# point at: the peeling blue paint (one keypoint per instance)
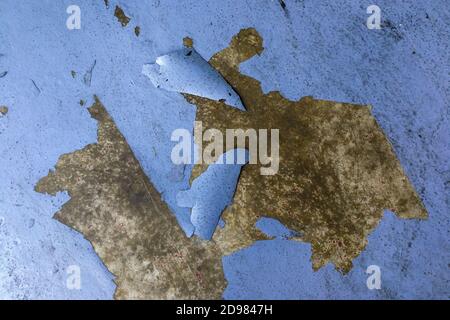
(314, 48)
(220, 179)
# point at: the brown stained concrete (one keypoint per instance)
(338, 172)
(116, 207)
(121, 16)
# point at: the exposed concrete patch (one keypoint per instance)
(188, 42)
(337, 175)
(3, 110)
(207, 207)
(121, 16)
(116, 207)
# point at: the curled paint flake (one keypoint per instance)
(211, 193)
(185, 71)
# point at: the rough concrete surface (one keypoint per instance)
(311, 48)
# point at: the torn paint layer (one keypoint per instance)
(185, 71)
(221, 180)
(337, 175)
(116, 207)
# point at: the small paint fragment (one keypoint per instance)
(106, 3)
(82, 102)
(73, 73)
(120, 15)
(3, 74)
(137, 31)
(188, 42)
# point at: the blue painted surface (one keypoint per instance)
(220, 179)
(281, 269)
(321, 49)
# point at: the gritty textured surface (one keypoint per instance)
(115, 207)
(318, 48)
(338, 172)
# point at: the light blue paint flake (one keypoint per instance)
(211, 193)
